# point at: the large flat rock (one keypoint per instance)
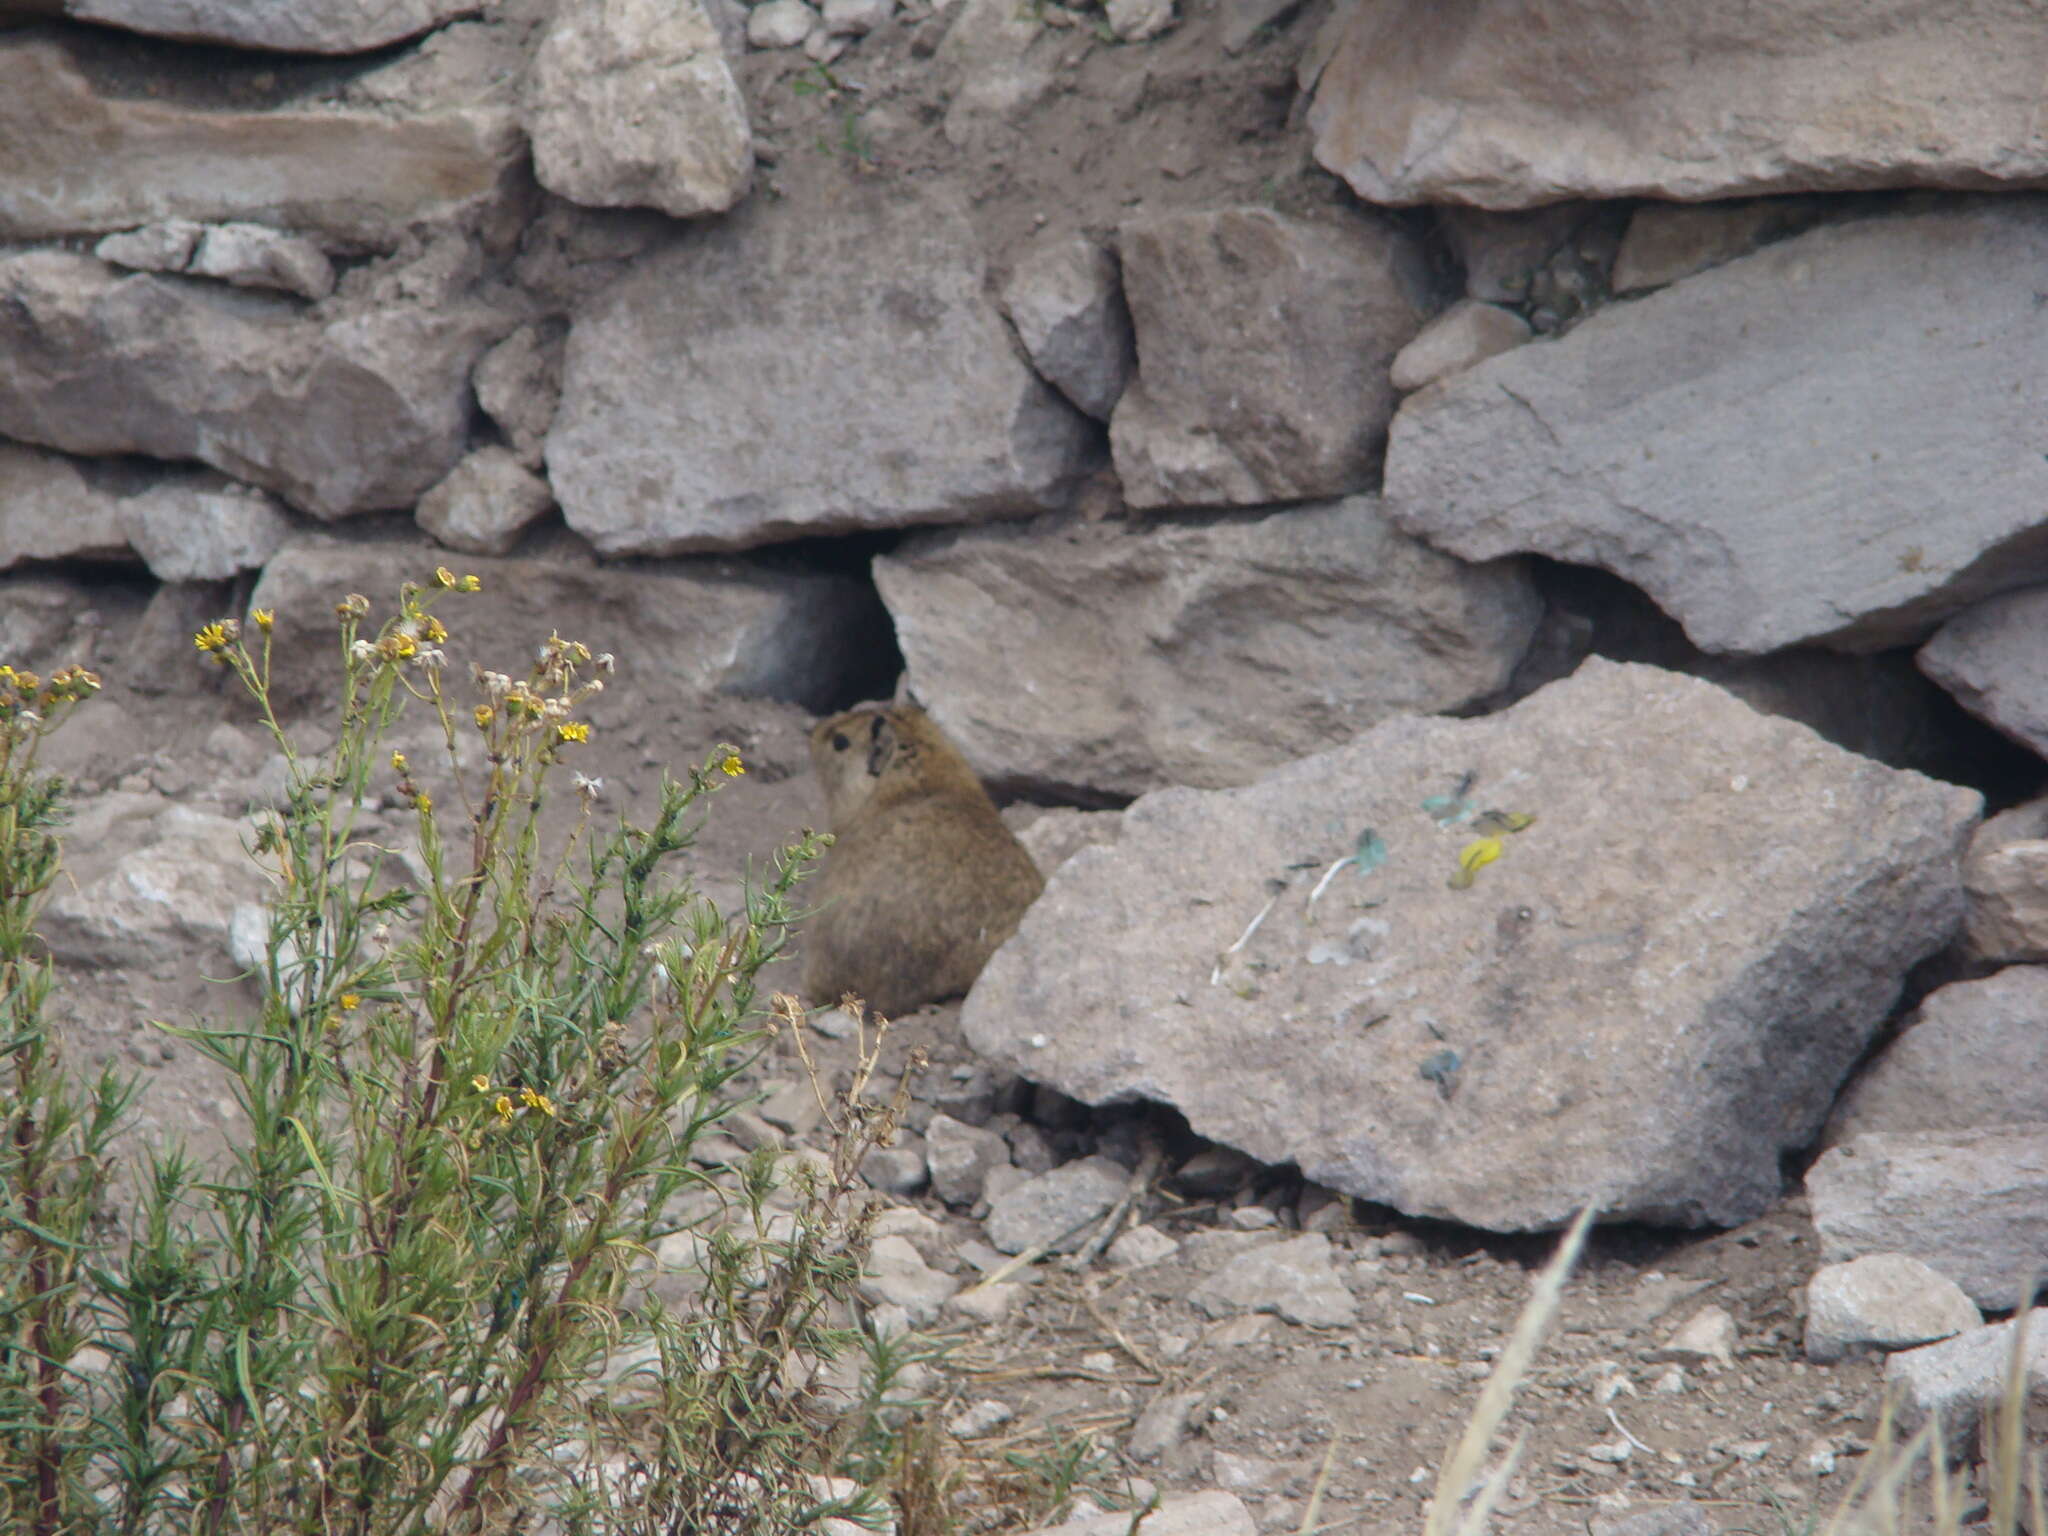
(1264, 343)
(1516, 103)
(795, 370)
(75, 160)
(1830, 440)
(303, 26)
(1650, 993)
(353, 412)
(1101, 660)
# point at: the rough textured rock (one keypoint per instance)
(1503, 253)
(485, 504)
(51, 510)
(681, 632)
(960, 1156)
(1067, 302)
(74, 161)
(1467, 333)
(174, 884)
(1135, 21)
(630, 104)
(1233, 646)
(1210, 1513)
(1976, 1054)
(1960, 1378)
(1582, 1024)
(792, 371)
(1055, 1207)
(304, 26)
(203, 527)
(1992, 659)
(1667, 241)
(352, 414)
(255, 256)
(1973, 1204)
(780, 23)
(856, 18)
(986, 59)
(2005, 878)
(519, 385)
(1883, 1301)
(1263, 345)
(1764, 448)
(1296, 1279)
(1514, 103)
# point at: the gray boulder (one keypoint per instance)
(75, 160)
(792, 371)
(2005, 878)
(485, 504)
(1883, 1301)
(1975, 1055)
(1971, 1204)
(1263, 348)
(50, 509)
(630, 104)
(1961, 1378)
(304, 26)
(351, 413)
(1993, 659)
(1640, 1002)
(1515, 103)
(1765, 448)
(1066, 300)
(1231, 647)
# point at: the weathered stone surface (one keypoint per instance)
(1503, 253)
(1210, 1513)
(986, 59)
(1976, 1054)
(856, 18)
(1514, 103)
(255, 256)
(350, 414)
(1764, 448)
(1992, 659)
(1296, 1279)
(1263, 345)
(169, 895)
(203, 527)
(519, 385)
(485, 504)
(795, 370)
(1134, 21)
(2005, 880)
(1055, 1208)
(247, 255)
(780, 23)
(304, 26)
(74, 161)
(1883, 1301)
(1232, 647)
(681, 632)
(1067, 303)
(630, 104)
(1960, 1378)
(1467, 333)
(50, 510)
(1579, 1026)
(1667, 241)
(1972, 1204)
(960, 1156)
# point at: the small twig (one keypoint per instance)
(1142, 1175)
(1245, 938)
(1615, 1419)
(1315, 1494)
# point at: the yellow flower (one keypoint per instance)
(481, 1083)
(398, 645)
(503, 1106)
(572, 730)
(539, 1101)
(469, 584)
(443, 577)
(423, 803)
(732, 767)
(432, 630)
(484, 716)
(398, 762)
(350, 1001)
(264, 618)
(214, 637)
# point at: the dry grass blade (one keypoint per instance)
(1461, 1467)
(2007, 1450)
(1315, 1494)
